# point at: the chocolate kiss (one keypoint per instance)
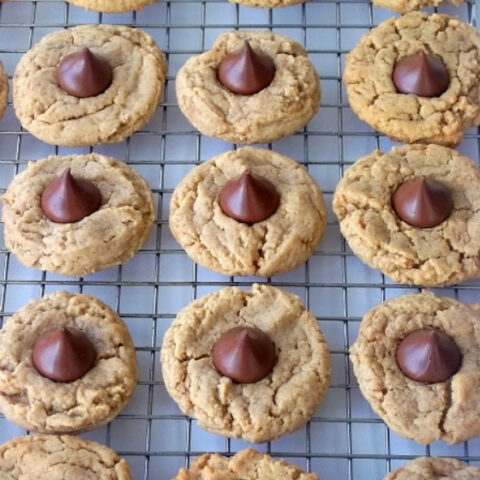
(248, 198)
(421, 74)
(244, 354)
(68, 199)
(428, 356)
(422, 203)
(84, 74)
(63, 354)
(245, 71)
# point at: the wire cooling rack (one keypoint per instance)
(344, 440)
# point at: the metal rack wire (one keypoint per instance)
(344, 440)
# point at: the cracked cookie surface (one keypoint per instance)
(410, 118)
(442, 255)
(405, 6)
(110, 236)
(54, 116)
(279, 110)
(3, 90)
(447, 411)
(435, 468)
(247, 464)
(112, 6)
(220, 243)
(257, 412)
(36, 403)
(60, 458)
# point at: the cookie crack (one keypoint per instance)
(446, 409)
(261, 251)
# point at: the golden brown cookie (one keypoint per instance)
(267, 3)
(282, 401)
(279, 110)
(218, 242)
(435, 468)
(111, 6)
(406, 117)
(405, 6)
(424, 412)
(60, 458)
(3, 90)
(245, 465)
(37, 403)
(51, 114)
(109, 236)
(443, 255)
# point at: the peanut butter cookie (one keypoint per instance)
(112, 6)
(3, 90)
(405, 6)
(276, 242)
(427, 255)
(47, 383)
(279, 399)
(60, 458)
(442, 404)
(440, 118)
(435, 468)
(267, 3)
(109, 236)
(280, 109)
(137, 76)
(245, 465)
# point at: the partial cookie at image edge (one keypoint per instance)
(3, 90)
(423, 412)
(112, 6)
(409, 118)
(406, 6)
(109, 236)
(268, 3)
(46, 406)
(443, 255)
(435, 468)
(40, 456)
(246, 464)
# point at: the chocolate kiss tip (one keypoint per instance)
(428, 356)
(63, 354)
(245, 71)
(68, 200)
(421, 74)
(248, 51)
(248, 198)
(244, 354)
(84, 74)
(422, 203)
(244, 339)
